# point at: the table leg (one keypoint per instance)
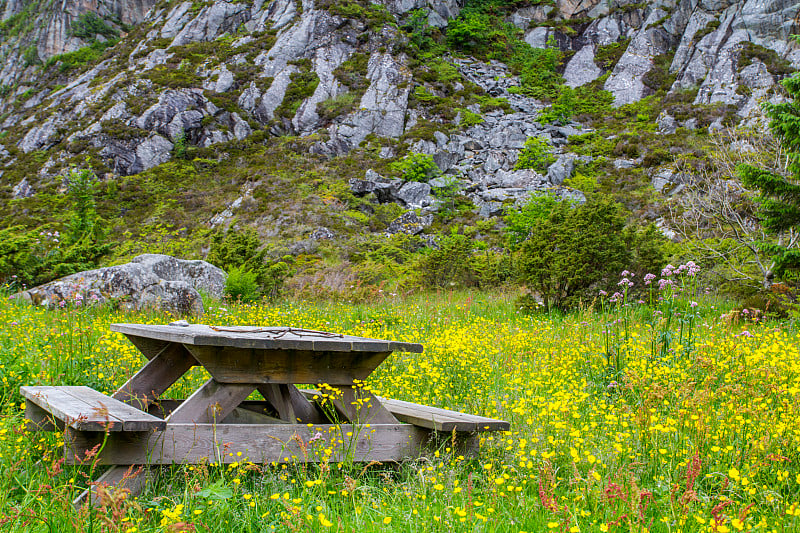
(167, 363)
(291, 404)
(133, 478)
(212, 402)
(163, 369)
(361, 407)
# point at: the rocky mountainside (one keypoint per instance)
(222, 91)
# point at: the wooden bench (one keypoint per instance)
(84, 409)
(434, 418)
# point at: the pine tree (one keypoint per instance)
(780, 194)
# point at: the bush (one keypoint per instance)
(535, 155)
(416, 167)
(241, 251)
(572, 251)
(89, 25)
(449, 265)
(519, 221)
(242, 285)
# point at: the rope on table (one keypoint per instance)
(277, 333)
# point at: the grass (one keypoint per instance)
(700, 436)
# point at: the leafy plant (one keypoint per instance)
(519, 221)
(572, 250)
(416, 167)
(535, 155)
(449, 265)
(89, 25)
(242, 285)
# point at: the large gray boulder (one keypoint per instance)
(148, 281)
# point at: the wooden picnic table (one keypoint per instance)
(340, 419)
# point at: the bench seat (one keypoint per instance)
(435, 418)
(85, 409)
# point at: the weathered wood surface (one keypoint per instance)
(37, 419)
(198, 443)
(211, 403)
(263, 338)
(161, 371)
(149, 347)
(132, 477)
(246, 365)
(85, 409)
(442, 419)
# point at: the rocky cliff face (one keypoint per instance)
(338, 73)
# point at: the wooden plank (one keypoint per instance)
(211, 402)
(428, 420)
(239, 365)
(85, 409)
(160, 372)
(462, 420)
(197, 443)
(262, 411)
(263, 338)
(248, 416)
(72, 410)
(132, 478)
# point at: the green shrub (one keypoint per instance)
(573, 251)
(337, 106)
(81, 57)
(89, 25)
(535, 155)
(607, 56)
(36, 256)
(301, 86)
(31, 56)
(469, 119)
(416, 167)
(234, 249)
(538, 68)
(449, 265)
(519, 221)
(241, 250)
(242, 285)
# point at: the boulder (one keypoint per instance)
(148, 281)
(561, 169)
(409, 223)
(581, 69)
(415, 194)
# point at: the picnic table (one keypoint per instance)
(340, 419)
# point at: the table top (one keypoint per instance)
(263, 338)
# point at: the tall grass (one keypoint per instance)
(701, 437)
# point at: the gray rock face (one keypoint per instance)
(212, 21)
(382, 110)
(415, 195)
(561, 169)
(581, 68)
(150, 153)
(148, 281)
(626, 82)
(22, 189)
